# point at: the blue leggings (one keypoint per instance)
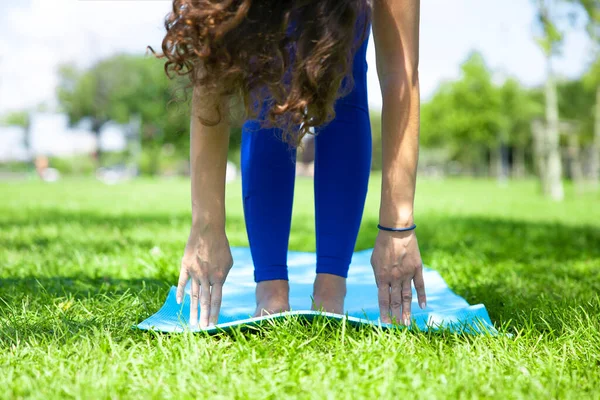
(342, 166)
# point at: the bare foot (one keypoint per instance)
(329, 293)
(272, 297)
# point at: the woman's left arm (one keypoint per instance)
(396, 258)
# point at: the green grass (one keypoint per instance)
(77, 270)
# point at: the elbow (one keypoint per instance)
(413, 74)
(405, 79)
(403, 70)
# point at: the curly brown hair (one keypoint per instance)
(292, 59)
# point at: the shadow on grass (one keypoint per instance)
(64, 308)
(77, 288)
(119, 221)
(495, 239)
(120, 228)
(67, 309)
(513, 267)
(500, 239)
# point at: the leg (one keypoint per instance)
(268, 173)
(342, 168)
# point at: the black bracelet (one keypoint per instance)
(410, 228)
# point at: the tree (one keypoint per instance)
(576, 106)
(123, 86)
(82, 94)
(549, 157)
(550, 42)
(519, 108)
(592, 81)
(465, 116)
(21, 119)
(17, 118)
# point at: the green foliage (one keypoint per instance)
(376, 161)
(162, 160)
(552, 14)
(576, 103)
(16, 166)
(553, 17)
(124, 86)
(19, 118)
(592, 10)
(551, 37)
(476, 115)
(75, 165)
(519, 106)
(465, 116)
(78, 271)
(591, 79)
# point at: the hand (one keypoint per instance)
(206, 261)
(396, 262)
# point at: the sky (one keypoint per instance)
(36, 36)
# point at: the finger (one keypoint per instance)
(383, 294)
(216, 294)
(194, 302)
(420, 288)
(204, 303)
(396, 303)
(183, 280)
(406, 302)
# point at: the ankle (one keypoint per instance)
(329, 293)
(330, 285)
(268, 289)
(272, 297)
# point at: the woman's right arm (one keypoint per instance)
(207, 258)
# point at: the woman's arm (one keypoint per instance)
(208, 161)
(207, 258)
(396, 33)
(396, 258)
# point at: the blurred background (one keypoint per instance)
(95, 211)
(510, 91)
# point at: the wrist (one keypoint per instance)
(208, 222)
(396, 204)
(395, 229)
(401, 217)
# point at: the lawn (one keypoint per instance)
(81, 262)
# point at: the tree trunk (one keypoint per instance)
(553, 163)
(96, 127)
(27, 140)
(504, 163)
(595, 156)
(134, 143)
(498, 163)
(518, 164)
(493, 162)
(154, 167)
(539, 151)
(575, 168)
(156, 137)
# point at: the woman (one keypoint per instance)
(297, 65)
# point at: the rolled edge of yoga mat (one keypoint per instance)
(473, 319)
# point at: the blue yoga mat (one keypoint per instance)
(445, 309)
